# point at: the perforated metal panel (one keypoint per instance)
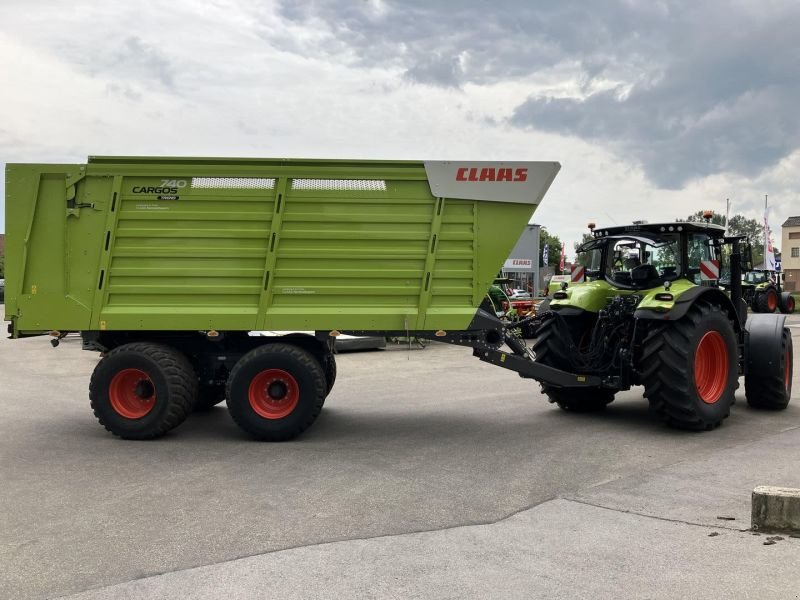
(233, 183)
(356, 185)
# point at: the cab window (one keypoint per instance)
(699, 250)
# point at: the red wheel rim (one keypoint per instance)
(273, 394)
(790, 304)
(132, 393)
(772, 300)
(711, 367)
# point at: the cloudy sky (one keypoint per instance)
(655, 108)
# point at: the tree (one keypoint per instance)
(752, 229)
(716, 218)
(554, 248)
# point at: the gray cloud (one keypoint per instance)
(124, 91)
(143, 61)
(697, 88)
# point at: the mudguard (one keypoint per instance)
(763, 350)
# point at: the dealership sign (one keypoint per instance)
(518, 264)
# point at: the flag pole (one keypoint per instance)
(727, 212)
(766, 233)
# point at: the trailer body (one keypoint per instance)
(180, 244)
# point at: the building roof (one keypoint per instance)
(792, 222)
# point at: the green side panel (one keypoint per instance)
(52, 253)
(162, 244)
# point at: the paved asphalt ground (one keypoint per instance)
(428, 474)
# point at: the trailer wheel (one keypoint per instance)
(690, 368)
(208, 396)
(276, 391)
(768, 381)
(787, 303)
(330, 371)
(551, 351)
(142, 390)
(767, 301)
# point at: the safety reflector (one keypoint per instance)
(709, 270)
(578, 274)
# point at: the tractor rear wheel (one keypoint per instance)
(276, 391)
(551, 350)
(768, 382)
(140, 391)
(690, 368)
(767, 301)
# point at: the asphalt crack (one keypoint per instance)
(648, 516)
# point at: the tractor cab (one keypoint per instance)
(758, 277)
(639, 257)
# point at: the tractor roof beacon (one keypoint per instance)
(652, 313)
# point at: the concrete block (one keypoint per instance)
(776, 509)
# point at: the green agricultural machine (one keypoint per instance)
(763, 293)
(166, 266)
(173, 268)
(651, 313)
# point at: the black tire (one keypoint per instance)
(284, 412)
(675, 389)
(140, 391)
(787, 304)
(766, 301)
(527, 331)
(208, 396)
(330, 372)
(550, 350)
(772, 390)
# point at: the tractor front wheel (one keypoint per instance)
(580, 399)
(690, 368)
(551, 349)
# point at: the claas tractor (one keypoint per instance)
(763, 293)
(651, 313)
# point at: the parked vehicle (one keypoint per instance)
(652, 315)
(763, 292)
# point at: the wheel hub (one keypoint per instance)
(131, 393)
(277, 390)
(273, 393)
(144, 389)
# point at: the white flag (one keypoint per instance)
(769, 258)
